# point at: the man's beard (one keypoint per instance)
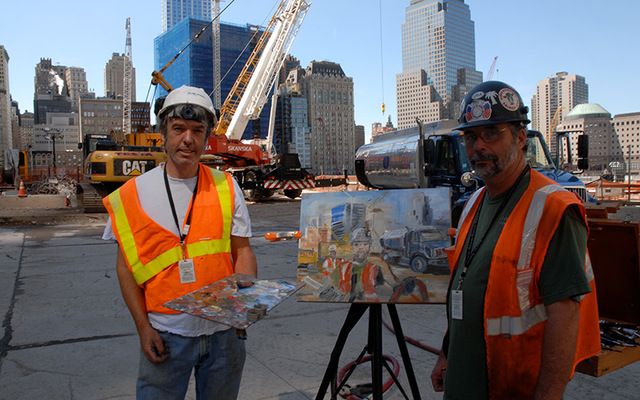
(360, 258)
(494, 166)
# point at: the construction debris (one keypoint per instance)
(64, 185)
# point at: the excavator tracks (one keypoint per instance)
(90, 197)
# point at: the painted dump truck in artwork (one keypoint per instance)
(421, 249)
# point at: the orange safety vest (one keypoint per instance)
(369, 277)
(329, 265)
(514, 312)
(152, 253)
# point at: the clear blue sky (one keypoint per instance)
(533, 39)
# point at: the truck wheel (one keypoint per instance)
(253, 193)
(292, 193)
(266, 193)
(419, 264)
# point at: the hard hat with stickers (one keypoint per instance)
(491, 103)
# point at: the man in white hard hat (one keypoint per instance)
(179, 227)
(329, 264)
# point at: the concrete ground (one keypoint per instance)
(68, 335)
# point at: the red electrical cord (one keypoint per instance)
(413, 341)
(387, 384)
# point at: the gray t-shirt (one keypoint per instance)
(155, 201)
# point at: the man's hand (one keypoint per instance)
(150, 341)
(152, 345)
(438, 373)
(243, 280)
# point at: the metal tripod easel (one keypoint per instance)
(373, 347)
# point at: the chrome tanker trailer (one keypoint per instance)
(419, 157)
(433, 155)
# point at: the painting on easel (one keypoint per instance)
(384, 246)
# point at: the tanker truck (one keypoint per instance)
(433, 155)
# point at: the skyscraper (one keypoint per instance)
(291, 127)
(438, 41)
(195, 66)
(51, 92)
(561, 92)
(174, 11)
(329, 92)
(5, 106)
(76, 79)
(114, 78)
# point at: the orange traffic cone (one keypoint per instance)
(22, 191)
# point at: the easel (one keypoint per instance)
(373, 347)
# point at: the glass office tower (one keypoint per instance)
(194, 66)
(438, 37)
(174, 11)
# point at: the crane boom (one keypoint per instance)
(492, 69)
(249, 92)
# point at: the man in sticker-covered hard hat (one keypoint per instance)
(179, 227)
(521, 307)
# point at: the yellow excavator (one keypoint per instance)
(111, 160)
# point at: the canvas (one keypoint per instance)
(384, 246)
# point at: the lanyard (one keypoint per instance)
(182, 232)
(471, 249)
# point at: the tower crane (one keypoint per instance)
(215, 39)
(127, 82)
(492, 69)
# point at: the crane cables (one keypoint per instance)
(381, 57)
(251, 40)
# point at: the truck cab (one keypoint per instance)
(539, 158)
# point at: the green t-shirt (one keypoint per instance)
(562, 277)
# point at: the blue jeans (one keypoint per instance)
(216, 359)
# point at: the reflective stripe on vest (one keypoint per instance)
(467, 208)
(510, 325)
(143, 272)
(217, 245)
(528, 241)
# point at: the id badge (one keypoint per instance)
(187, 271)
(456, 304)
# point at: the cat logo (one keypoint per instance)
(133, 167)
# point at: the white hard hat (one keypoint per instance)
(333, 247)
(188, 95)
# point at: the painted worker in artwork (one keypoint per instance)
(179, 227)
(329, 264)
(367, 280)
(521, 305)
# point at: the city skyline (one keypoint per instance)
(530, 41)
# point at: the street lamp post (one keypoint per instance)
(53, 134)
